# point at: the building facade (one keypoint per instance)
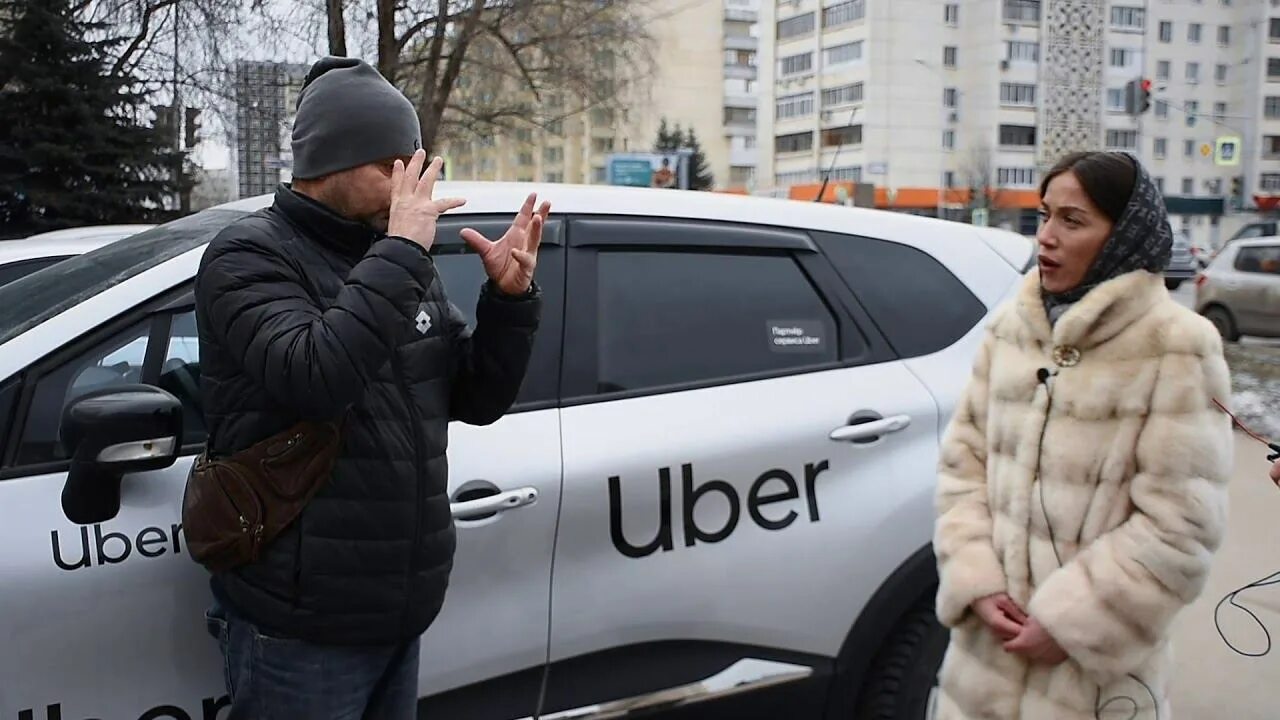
(703, 49)
(945, 106)
(266, 100)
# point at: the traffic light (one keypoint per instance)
(1137, 96)
(192, 127)
(1237, 186)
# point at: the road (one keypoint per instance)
(1212, 681)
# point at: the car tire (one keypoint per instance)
(1222, 320)
(903, 678)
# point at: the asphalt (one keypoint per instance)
(1212, 681)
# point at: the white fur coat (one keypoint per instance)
(1133, 469)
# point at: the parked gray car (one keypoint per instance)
(1240, 290)
(1182, 264)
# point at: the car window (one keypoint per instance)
(675, 318)
(31, 300)
(462, 275)
(113, 362)
(22, 268)
(915, 300)
(1264, 260)
(116, 361)
(8, 399)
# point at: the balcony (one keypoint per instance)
(744, 157)
(740, 72)
(741, 101)
(741, 15)
(1022, 12)
(741, 42)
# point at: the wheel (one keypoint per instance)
(903, 679)
(1222, 320)
(1173, 283)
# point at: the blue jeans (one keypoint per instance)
(271, 678)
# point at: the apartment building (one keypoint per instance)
(266, 99)
(703, 77)
(930, 99)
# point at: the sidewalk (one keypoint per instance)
(1212, 681)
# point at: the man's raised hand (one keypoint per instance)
(511, 259)
(413, 211)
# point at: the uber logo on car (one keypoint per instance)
(114, 548)
(210, 708)
(759, 498)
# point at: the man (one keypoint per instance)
(325, 306)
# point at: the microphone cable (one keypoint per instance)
(1099, 706)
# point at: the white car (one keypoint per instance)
(23, 256)
(722, 464)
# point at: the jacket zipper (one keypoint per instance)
(415, 424)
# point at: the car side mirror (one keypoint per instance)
(111, 432)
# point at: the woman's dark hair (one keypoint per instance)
(1107, 178)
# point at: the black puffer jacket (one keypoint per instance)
(303, 314)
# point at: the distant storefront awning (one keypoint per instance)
(1178, 205)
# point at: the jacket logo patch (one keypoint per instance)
(422, 320)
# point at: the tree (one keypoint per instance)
(667, 140)
(700, 177)
(475, 67)
(73, 149)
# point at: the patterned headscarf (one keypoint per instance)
(1140, 240)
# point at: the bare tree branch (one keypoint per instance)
(337, 28)
(143, 34)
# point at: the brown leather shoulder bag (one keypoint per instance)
(237, 505)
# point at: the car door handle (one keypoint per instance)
(872, 430)
(493, 504)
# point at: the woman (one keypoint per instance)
(1082, 486)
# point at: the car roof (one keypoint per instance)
(70, 241)
(504, 197)
(1267, 241)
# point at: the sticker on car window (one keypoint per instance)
(797, 336)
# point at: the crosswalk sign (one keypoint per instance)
(1228, 153)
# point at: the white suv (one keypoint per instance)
(713, 496)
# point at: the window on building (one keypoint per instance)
(1220, 73)
(950, 97)
(797, 26)
(602, 145)
(1126, 18)
(1017, 94)
(842, 95)
(793, 142)
(949, 139)
(1161, 148)
(1274, 29)
(1219, 111)
(1273, 68)
(1193, 32)
(1163, 69)
(1188, 186)
(797, 64)
(788, 179)
(1271, 146)
(1270, 182)
(1122, 139)
(1166, 31)
(1192, 109)
(1115, 99)
(1159, 184)
(1193, 72)
(1224, 35)
(841, 54)
(949, 55)
(526, 158)
(951, 14)
(1215, 186)
(740, 58)
(1016, 177)
(844, 13)
(554, 177)
(1022, 11)
(553, 154)
(949, 179)
(1017, 136)
(1123, 57)
(1271, 106)
(1189, 148)
(739, 116)
(836, 137)
(1019, 51)
(741, 174)
(794, 106)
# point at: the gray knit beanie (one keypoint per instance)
(349, 115)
